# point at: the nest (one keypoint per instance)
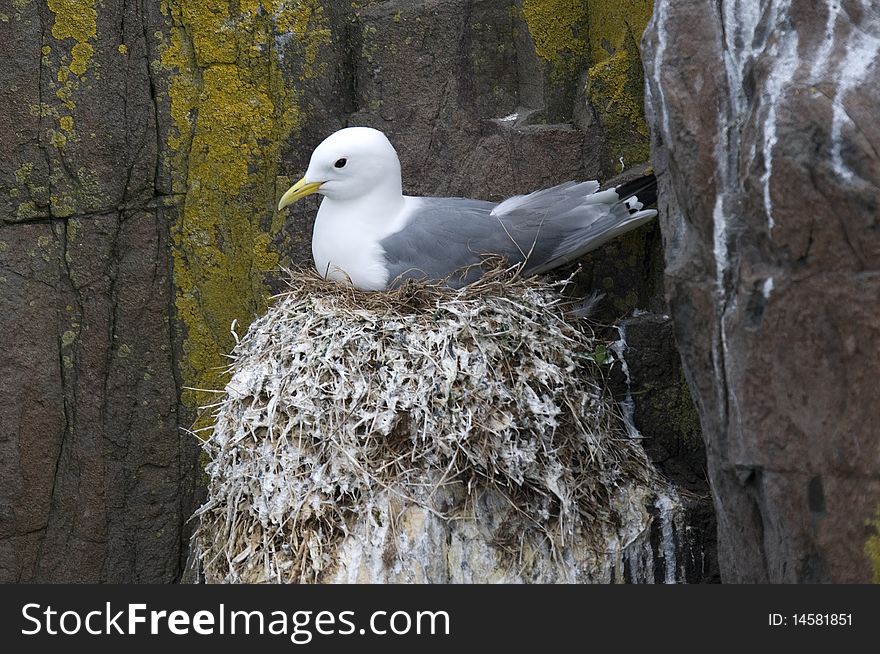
(347, 409)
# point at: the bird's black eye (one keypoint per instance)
(340, 163)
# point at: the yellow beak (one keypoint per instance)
(298, 191)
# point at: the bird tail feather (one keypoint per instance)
(625, 212)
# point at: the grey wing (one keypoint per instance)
(445, 235)
(557, 225)
(546, 229)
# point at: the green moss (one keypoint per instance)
(625, 303)
(872, 546)
(232, 111)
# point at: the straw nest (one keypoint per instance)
(361, 433)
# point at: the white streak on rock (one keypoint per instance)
(669, 510)
(820, 69)
(739, 20)
(719, 230)
(722, 261)
(861, 57)
(785, 63)
(628, 405)
(661, 15)
(641, 562)
(767, 288)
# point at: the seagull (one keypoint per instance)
(369, 234)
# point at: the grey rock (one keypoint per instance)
(769, 181)
(96, 478)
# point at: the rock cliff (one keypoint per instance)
(765, 140)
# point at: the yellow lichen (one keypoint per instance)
(57, 139)
(73, 20)
(601, 37)
(73, 226)
(67, 338)
(615, 77)
(305, 20)
(122, 49)
(558, 30)
(80, 56)
(232, 111)
(72, 190)
(615, 90)
(25, 177)
(23, 172)
(872, 546)
(611, 21)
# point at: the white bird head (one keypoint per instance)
(350, 164)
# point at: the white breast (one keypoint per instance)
(345, 244)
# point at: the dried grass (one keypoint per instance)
(338, 396)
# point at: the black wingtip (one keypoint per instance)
(644, 188)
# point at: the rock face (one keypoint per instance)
(95, 477)
(143, 149)
(769, 169)
(649, 380)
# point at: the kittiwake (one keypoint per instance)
(368, 233)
